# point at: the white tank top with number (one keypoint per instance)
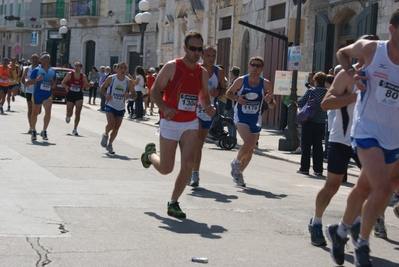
(29, 89)
(212, 82)
(377, 109)
(117, 90)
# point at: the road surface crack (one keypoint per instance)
(40, 250)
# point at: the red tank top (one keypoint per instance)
(4, 78)
(182, 92)
(75, 85)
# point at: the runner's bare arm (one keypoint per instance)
(163, 78)
(65, 80)
(267, 87)
(340, 93)
(234, 88)
(204, 95)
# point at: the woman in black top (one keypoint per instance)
(313, 131)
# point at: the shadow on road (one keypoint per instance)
(257, 192)
(115, 156)
(205, 193)
(187, 226)
(44, 143)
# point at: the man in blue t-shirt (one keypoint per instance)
(44, 80)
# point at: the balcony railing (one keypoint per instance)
(88, 9)
(53, 10)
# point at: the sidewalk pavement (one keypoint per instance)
(267, 147)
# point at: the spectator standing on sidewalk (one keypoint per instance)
(312, 132)
(103, 76)
(94, 77)
(139, 83)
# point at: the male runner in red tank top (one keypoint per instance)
(74, 82)
(183, 81)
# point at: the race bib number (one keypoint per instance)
(387, 93)
(118, 98)
(250, 107)
(187, 102)
(46, 86)
(74, 88)
(201, 113)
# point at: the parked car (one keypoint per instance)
(59, 92)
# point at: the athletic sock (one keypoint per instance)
(343, 229)
(316, 220)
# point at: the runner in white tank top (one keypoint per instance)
(375, 133)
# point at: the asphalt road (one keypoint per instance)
(66, 202)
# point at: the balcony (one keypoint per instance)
(51, 13)
(85, 12)
(20, 23)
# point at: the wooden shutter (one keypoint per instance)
(323, 46)
(366, 22)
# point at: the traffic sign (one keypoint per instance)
(17, 50)
(294, 56)
(283, 80)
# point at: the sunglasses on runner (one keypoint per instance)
(194, 48)
(256, 65)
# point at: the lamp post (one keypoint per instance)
(62, 30)
(292, 141)
(142, 19)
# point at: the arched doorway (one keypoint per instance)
(90, 56)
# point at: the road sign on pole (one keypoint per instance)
(17, 50)
(294, 56)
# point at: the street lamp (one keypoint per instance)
(62, 30)
(142, 19)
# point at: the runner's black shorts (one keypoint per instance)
(339, 156)
(74, 96)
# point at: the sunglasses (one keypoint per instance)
(256, 65)
(194, 48)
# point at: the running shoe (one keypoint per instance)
(33, 135)
(175, 211)
(236, 173)
(13, 98)
(316, 234)
(338, 243)
(355, 232)
(75, 132)
(43, 134)
(149, 149)
(9, 108)
(30, 131)
(362, 256)
(104, 140)
(379, 229)
(298, 151)
(396, 210)
(1, 110)
(394, 199)
(67, 119)
(302, 172)
(194, 180)
(110, 149)
(318, 173)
